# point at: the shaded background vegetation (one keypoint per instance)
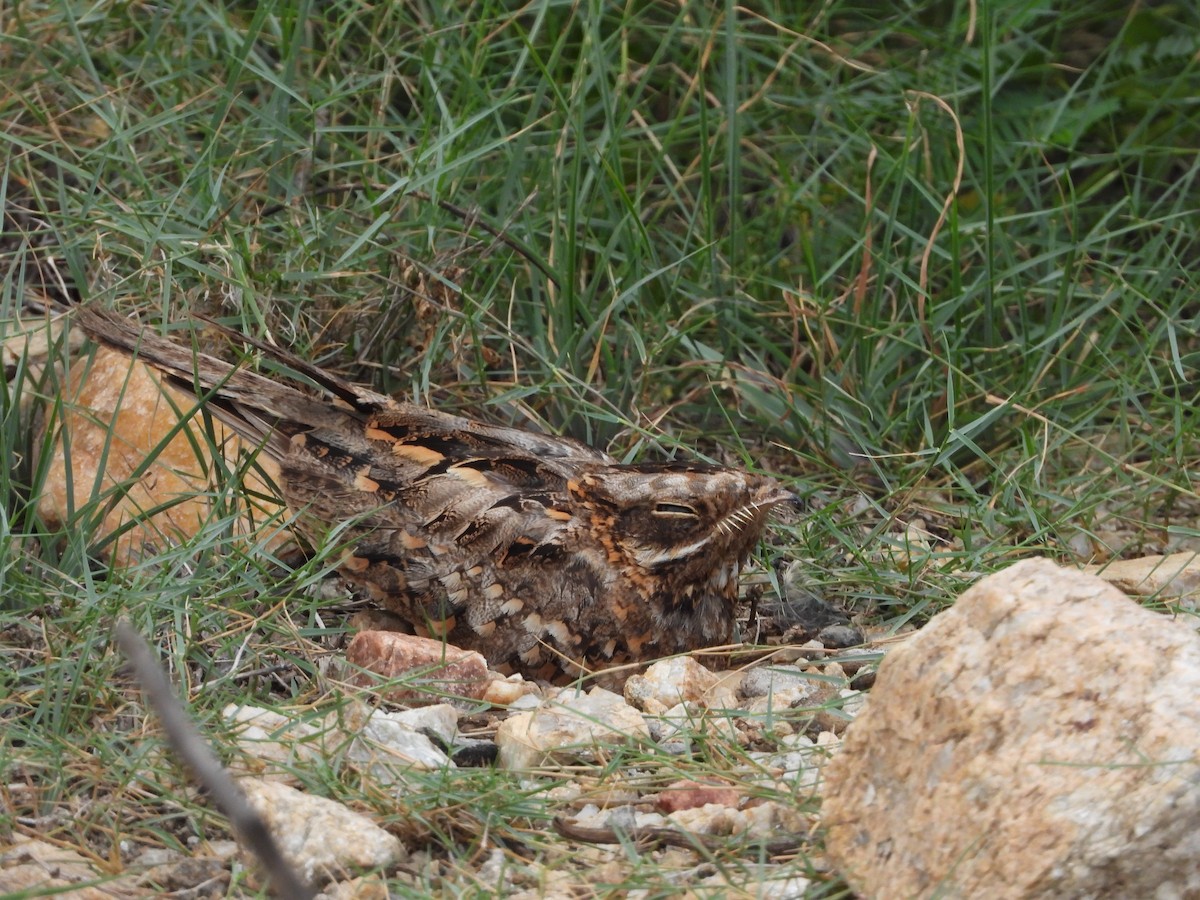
(728, 216)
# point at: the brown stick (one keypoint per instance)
(191, 747)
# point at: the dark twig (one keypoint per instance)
(187, 741)
(650, 836)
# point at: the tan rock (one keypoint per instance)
(1038, 739)
(31, 343)
(507, 691)
(669, 682)
(369, 887)
(323, 839)
(568, 729)
(908, 550)
(115, 413)
(765, 819)
(1176, 576)
(31, 868)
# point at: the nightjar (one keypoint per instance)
(547, 556)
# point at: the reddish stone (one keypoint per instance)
(418, 668)
(691, 794)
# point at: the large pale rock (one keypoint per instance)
(115, 413)
(1039, 739)
(322, 838)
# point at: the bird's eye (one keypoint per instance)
(673, 509)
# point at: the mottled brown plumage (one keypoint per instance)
(545, 555)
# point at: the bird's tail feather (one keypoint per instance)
(258, 408)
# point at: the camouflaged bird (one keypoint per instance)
(545, 555)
